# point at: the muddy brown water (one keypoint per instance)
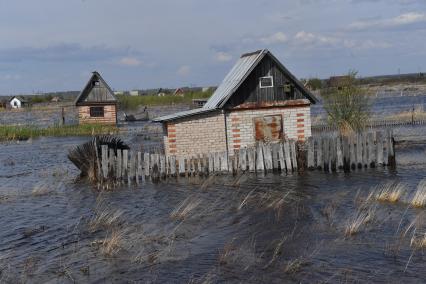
(252, 228)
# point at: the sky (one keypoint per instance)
(54, 45)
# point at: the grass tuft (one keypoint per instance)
(185, 208)
(362, 217)
(105, 219)
(389, 192)
(419, 199)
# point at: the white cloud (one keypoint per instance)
(311, 39)
(130, 61)
(184, 70)
(278, 37)
(365, 44)
(223, 56)
(398, 21)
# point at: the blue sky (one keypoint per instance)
(53, 45)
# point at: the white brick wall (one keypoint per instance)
(206, 133)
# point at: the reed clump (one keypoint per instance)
(14, 132)
(359, 219)
(112, 244)
(419, 199)
(106, 218)
(389, 192)
(185, 208)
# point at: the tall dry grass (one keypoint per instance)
(185, 208)
(105, 218)
(419, 198)
(362, 216)
(389, 192)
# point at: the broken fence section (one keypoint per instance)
(325, 153)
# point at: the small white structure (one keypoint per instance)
(17, 102)
(134, 93)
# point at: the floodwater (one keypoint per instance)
(250, 228)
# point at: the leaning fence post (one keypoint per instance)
(391, 150)
(311, 158)
(146, 164)
(139, 170)
(104, 149)
(125, 163)
(118, 164)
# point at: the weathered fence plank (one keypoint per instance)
(260, 166)
(251, 159)
(311, 153)
(287, 155)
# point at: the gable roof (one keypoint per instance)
(233, 80)
(20, 98)
(101, 96)
(241, 70)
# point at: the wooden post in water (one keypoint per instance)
(281, 157)
(125, 164)
(139, 170)
(243, 159)
(224, 162)
(163, 171)
(211, 163)
(326, 146)
(391, 150)
(267, 157)
(364, 150)
(275, 156)
(287, 155)
(132, 172)
(359, 150)
(371, 152)
(319, 153)
(333, 154)
(346, 155)
(379, 148)
(111, 164)
(119, 161)
(311, 152)
(146, 163)
(172, 161)
(251, 159)
(260, 166)
(339, 152)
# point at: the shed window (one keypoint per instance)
(266, 82)
(96, 83)
(268, 128)
(96, 111)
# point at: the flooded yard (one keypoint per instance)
(250, 228)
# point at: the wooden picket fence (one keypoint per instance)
(325, 153)
(130, 166)
(358, 151)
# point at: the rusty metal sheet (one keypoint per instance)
(268, 128)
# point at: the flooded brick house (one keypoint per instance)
(259, 100)
(97, 103)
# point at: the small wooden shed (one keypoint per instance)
(97, 103)
(18, 102)
(258, 101)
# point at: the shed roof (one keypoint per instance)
(183, 114)
(20, 98)
(103, 94)
(236, 76)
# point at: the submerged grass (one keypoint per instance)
(419, 199)
(389, 192)
(11, 132)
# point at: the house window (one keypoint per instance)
(95, 83)
(268, 128)
(96, 111)
(266, 82)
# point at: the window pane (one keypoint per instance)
(96, 111)
(266, 82)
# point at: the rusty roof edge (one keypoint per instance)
(183, 114)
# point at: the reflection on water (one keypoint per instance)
(251, 228)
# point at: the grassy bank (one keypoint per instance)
(10, 132)
(133, 102)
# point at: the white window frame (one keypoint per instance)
(264, 87)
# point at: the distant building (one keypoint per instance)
(197, 103)
(337, 81)
(134, 93)
(97, 102)
(55, 99)
(18, 102)
(179, 92)
(117, 93)
(258, 101)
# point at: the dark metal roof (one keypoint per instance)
(98, 95)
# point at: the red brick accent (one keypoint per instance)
(237, 141)
(300, 114)
(172, 151)
(237, 146)
(172, 136)
(172, 146)
(300, 120)
(300, 131)
(235, 130)
(300, 125)
(301, 137)
(171, 130)
(236, 136)
(172, 140)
